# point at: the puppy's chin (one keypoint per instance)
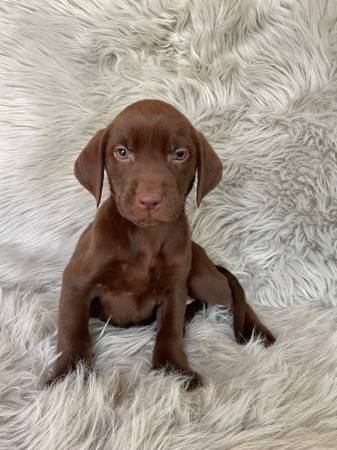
(145, 220)
(147, 223)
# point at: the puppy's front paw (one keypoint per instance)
(193, 379)
(246, 323)
(64, 366)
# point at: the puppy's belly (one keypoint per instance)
(124, 308)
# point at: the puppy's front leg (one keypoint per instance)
(168, 351)
(73, 334)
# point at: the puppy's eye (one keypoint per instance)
(180, 155)
(122, 153)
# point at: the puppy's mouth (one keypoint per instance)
(147, 218)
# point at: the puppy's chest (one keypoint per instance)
(129, 291)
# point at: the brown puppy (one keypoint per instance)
(136, 261)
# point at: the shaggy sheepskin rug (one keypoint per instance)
(259, 78)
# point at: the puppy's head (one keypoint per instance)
(151, 154)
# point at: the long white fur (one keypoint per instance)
(259, 78)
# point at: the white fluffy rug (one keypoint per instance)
(259, 78)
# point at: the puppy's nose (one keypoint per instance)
(148, 200)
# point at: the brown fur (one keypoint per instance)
(136, 261)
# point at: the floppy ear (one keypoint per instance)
(209, 168)
(89, 166)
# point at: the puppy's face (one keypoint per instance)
(151, 153)
(151, 160)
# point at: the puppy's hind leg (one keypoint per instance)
(216, 285)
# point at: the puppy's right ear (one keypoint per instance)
(89, 166)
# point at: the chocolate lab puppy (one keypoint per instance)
(136, 262)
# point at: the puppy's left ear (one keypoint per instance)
(209, 168)
(89, 166)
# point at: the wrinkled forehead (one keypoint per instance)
(145, 127)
